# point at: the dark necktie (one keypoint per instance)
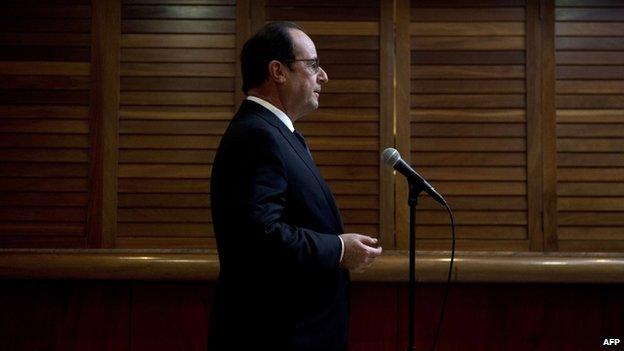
(302, 140)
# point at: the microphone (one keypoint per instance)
(392, 158)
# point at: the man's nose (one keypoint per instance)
(322, 77)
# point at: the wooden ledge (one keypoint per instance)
(506, 267)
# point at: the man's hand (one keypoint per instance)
(359, 252)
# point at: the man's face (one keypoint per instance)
(303, 85)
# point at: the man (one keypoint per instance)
(284, 276)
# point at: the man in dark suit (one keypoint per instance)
(285, 263)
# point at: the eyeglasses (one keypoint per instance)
(314, 63)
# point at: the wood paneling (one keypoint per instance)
(44, 124)
(589, 125)
(469, 120)
(92, 315)
(506, 106)
(177, 95)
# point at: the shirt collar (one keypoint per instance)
(276, 111)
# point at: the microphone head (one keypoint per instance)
(390, 156)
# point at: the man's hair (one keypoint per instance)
(271, 42)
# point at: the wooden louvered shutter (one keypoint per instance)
(177, 96)
(468, 121)
(589, 56)
(44, 126)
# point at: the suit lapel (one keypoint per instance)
(299, 149)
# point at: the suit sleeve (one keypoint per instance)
(266, 208)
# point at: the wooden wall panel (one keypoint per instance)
(590, 120)
(468, 113)
(162, 316)
(344, 133)
(44, 123)
(177, 95)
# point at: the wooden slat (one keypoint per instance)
(170, 84)
(590, 101)
(590, 174)
(43, 170)
(44, 155)
(473, 217)
(592, 29)
(468, 115)
(164, 171)
(590, 159)
(590, 130)
(58, 199)
(178, 69)
(472, 232)
(590, 57)
(597, 204)
(473, 173)
(589, 145)
(44, 111)
(167, 156)
(489, 203)
(36, 214)
(164, 201)
(44, 126)
(589, 14)
(591, 188)
(468, 130)
(176, 113)
(469, 159)
(165, 230)
(178, 12)
(164, 186)
(592, 218)
(461, 57)
(11, 185)
(166, 243)
(24, 140)
(340, 28)
(467, 28)
(33, 82)
(173, 128)
(177, 98)
(45, 39)
(466, 188)
(591, 233)
(31, 233)
(467, 72)
(469, 144)
(468, 43)
(501, 86)
(590, 87)
(164, 215)
(223, 41)
(339, 11)
(589, 72)
(586, 43)
(168, 142)
(178, 26)
(191, 55)
(45, 68)
(467, 14)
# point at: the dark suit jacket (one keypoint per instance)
(277, 225)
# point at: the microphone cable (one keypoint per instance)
(448, 279)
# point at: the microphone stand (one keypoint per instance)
(412, 201)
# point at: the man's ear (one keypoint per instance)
(276, 72)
